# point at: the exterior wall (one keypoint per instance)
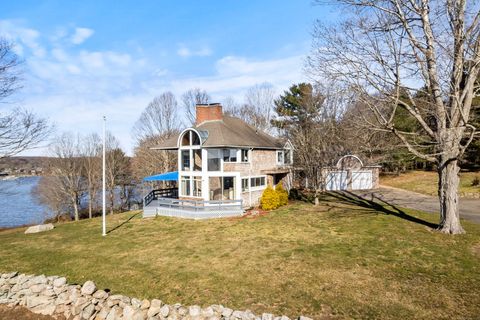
(251, 199)
(259, 160)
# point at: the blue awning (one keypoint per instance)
(167, 176)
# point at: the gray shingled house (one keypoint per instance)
(224, 165)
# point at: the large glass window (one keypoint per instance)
(185, 186)
(197, 160)
(230, 155)
(197, 186)
(185, 160)
(214, 160)
(228, 188)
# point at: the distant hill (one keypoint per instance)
(22, 166)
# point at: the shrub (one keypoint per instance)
(476, 182)
(269, 199)
(294, 194)
(282, 194)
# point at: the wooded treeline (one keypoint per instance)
(72, 181)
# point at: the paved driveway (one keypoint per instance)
(469, 208)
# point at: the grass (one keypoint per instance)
(426, 182)
(362, 260)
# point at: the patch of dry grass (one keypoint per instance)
(297, 260)
(426, 182)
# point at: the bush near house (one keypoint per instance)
(282, 194)
(270, 199)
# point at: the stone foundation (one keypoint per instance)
(55, 297)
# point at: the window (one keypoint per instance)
(185, 160)
(185, 186)
(230, 155)
(197, 160)
(190, 138)
(244, 155)
(257, 182)
(197, 186)
(213, 160)
(280, 157)
(244, 184)
(195, 138)
(287, 156)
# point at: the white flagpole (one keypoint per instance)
(104, 202)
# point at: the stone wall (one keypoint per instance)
(55, 297)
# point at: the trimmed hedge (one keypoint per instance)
(270, 199)
(282, 194)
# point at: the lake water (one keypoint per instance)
(18, 205)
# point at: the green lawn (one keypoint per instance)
(360, 261)
(426, 182)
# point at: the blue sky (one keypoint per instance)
(84, 59)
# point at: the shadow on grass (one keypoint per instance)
(123, 223)
(377, 204)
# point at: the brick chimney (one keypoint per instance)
(208, 112)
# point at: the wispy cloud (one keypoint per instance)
(74, 87)
(81, 34)
(185, 52)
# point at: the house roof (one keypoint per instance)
(228, 132)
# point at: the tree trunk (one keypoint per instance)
(75, 210)
(448, 182)
(90, 204)
(112, 200)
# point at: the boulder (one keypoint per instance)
(39, 228)
(88, 288)
(145, 305)
(115, 313)
(100, 294)
(194, 311)
(88, 311)
(164, 311)
(47, 309)
(59, 282)
(36, 301)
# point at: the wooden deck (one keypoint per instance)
(156, 204)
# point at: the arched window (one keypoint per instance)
(190, 138)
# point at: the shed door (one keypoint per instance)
(362, 180)
(337, 180)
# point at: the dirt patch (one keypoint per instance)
(23, 313)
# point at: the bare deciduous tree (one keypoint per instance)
(117, 168)
(19, 129)
(91, 150)
(257, 109)
(160, 116)
(66, 169)
(259, 104)
(388, 52)
(49, 192)
(161, 124)
(190, 99)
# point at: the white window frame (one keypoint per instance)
(247, 188)
(283, 157)
(191, 189)
(239, 157)
(261, 187)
